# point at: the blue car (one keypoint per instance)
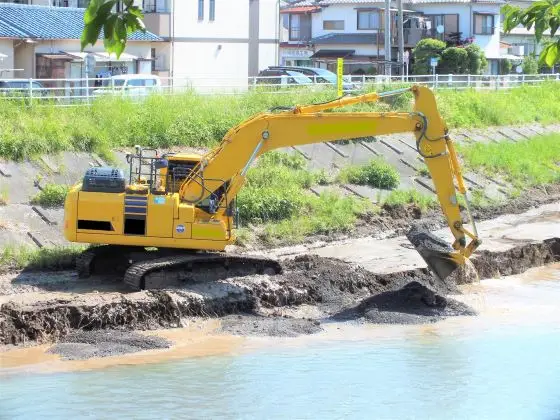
(319, 75)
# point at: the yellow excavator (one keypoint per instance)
(176, 214)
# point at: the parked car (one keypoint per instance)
(21, 88)
(283, 77)
(319, 75)
(129, 85)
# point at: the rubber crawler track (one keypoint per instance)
(134, 277)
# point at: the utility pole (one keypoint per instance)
(388, 37)
(400, 28)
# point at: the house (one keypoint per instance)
(214, 42)
(44, 42)
(197, 42)
(354, 29)
(521, 41)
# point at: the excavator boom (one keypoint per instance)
(310, 124)
(185, 202)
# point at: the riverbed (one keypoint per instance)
(502, 363)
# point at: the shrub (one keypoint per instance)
(454, 60)
(424, 50)
(505, 66)
(530, 65)
(52, 195)
(476, 58)
(377, 173)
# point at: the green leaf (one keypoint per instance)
(90, 35)
(551, 54)
(109, 28)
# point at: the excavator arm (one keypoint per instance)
(226, 166)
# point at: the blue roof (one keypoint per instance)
(44, 22)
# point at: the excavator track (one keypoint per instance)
(105, 259)
(176, 270)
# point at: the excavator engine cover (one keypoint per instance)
(436, 252)
(104, 179)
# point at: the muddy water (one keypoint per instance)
(503, 364)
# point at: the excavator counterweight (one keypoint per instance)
(184, 205)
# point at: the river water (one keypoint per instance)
(503, 364)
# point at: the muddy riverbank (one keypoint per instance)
(365, 280)
(312, 290)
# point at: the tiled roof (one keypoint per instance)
(44, 22)
(347, 39)
(9, 31)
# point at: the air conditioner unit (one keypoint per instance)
(518, 50)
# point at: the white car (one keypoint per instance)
(130, 85)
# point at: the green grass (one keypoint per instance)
(4, 196)
(52, 195)
(23, 257)
(376, 173)
(195, 120)
(276, 197)
(526, 163)
(525, 104)
(326, 214)
(404, 197)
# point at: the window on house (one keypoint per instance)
(295, 27)
(149, 6)
(369, 19)
(153, 55)
(450, 25)
(212, 13)
(483, 24)
(200, 9)
(333, 25)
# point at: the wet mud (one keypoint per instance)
(310, 291)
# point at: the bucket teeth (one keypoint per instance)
(441, 259)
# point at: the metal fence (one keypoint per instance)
(68, 92)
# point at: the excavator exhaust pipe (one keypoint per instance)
(441, 258)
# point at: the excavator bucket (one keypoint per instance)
(441, 258)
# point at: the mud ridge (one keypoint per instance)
(269, 304)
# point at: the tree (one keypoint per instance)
(459, 59)
(424, 50)
(116, 25)
(454, 60)
(530, 65)
(477, 62)
(544, 15)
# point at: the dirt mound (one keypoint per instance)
(263, 326)
(414, 303)
(516, 260)
(82, 345)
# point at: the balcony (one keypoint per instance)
(157, 17)
(156, 6)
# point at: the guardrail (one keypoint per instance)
(68, 92)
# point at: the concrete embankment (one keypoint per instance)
(373, 280)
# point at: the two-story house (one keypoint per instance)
(521, 41)
(203, 42)
(43, 41)
(354, 29)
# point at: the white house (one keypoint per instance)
(202, 42)
(521, 41)
(222, 42)
(354, 29)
